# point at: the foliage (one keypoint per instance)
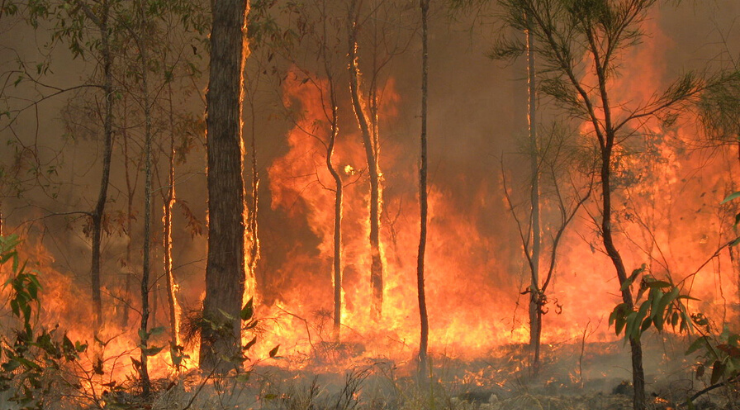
(662, 306)
(720, 352)
(29, 363)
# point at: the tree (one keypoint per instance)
(563, 32)
(101, 21)
(225, 269)
(138, 30)
(535, 323)
(423, 203)
(555, 162)
(365, 122)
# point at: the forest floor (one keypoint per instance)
(572, 377)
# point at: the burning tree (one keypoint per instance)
(225, 271)
(581, 44)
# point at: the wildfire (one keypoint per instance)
(669, 220)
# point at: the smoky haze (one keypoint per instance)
(477, 120)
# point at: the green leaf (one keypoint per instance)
(11, 365)
(248, 311)
(718, 370)
(627, 283)
(619, 326)
(646, 324)
(226, 315)
(250, 343)
(274, 351)
(696, 344)
(658, 314)
(658, 284)
(157, 331)
(28, 364)
(152, 351)
(731, 197)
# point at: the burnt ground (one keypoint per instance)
(571, 377)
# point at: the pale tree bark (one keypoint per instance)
(423, 203)
(332, 117)
(225, 269)
(169, 201)
(371, 153)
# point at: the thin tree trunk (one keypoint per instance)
(254, 240)
(371, 149)
(607, 146)
(638, 374)
(99, 211)
(534, 302)
(167, 222)
(225, 269)
(339, 189)
(146, 265)
(423, 318)
(130, 191)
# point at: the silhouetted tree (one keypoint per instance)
(423, 203)
(225, 270)
(563, 32)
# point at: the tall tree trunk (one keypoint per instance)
(146, 264)
(423, 318)
(99, 211)
(371, 149)
(607, 139)
(225, 269)
(169, 201)
(339, 192)
(638, 374)
(254, 240)
(535, 295)
(130, 191)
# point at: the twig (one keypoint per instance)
(202, 384)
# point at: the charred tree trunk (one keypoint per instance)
(638, 374)
(535, 307)
(169, 202)
(146, 265)
(254, 240)
(423, 318)
(130, 191)
(371, 150)
(225, 270)
(99, 211)
(339, 192)
(606, 144)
